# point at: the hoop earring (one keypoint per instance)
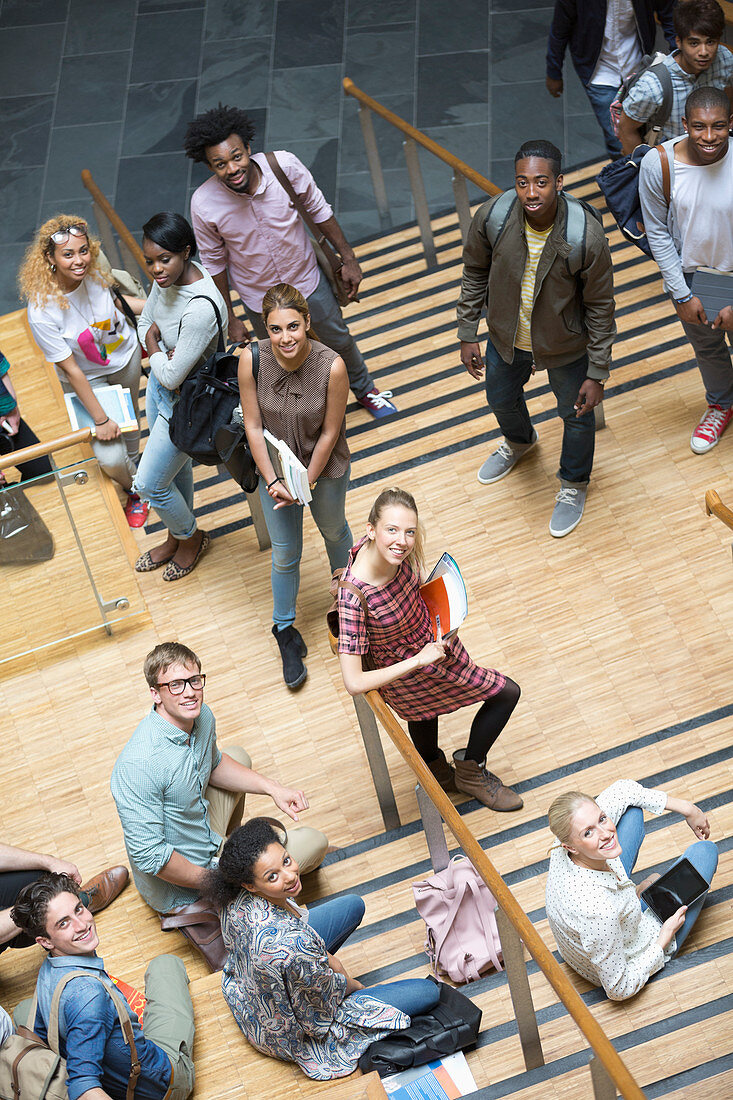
(53, 268)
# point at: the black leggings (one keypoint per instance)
(490, 719)
(11, 883)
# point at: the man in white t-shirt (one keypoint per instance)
(696, 230)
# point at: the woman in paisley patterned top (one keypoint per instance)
(291, 996)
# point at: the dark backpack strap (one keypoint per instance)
(254, 349)
(124, 305)
(214, 306)
(498, 216)
(662, 113)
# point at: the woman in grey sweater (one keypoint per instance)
(179, 330)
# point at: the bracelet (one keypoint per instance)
(101, 423)
(681, 301)
(274, 482)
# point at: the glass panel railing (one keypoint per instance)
(63, 568)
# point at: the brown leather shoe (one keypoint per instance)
(473, 779)
(104, 887)
(443, 772)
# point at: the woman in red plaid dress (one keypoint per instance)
(419, 677)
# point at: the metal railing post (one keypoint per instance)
(603, 1086)
(377, 762)
(422, 211)
(375, 166)
(463, 207)
(512, 950)
(432, 824)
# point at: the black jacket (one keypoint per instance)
(580, 24)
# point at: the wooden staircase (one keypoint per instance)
(618, 636)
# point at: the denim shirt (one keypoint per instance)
(90, 1035)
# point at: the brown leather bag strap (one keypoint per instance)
(285, 183)
(122, 1012)
(666, 180)
(358, 593)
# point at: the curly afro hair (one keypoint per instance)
(215, 126)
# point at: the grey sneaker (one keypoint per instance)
(568, 510)
(503, 460)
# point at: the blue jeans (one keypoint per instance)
(330, 328)
(165, 474)
(505, 384)
(703, 855)
(285, 527)
(334, 921)
(601, 97)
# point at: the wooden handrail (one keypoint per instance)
(438, 151)
(538, 949)
(38, 450)
(727, 10)
(114, 218)
(714, 507)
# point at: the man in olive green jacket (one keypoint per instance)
(541, 268)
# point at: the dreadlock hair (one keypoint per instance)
(215, 126)
(244, 847)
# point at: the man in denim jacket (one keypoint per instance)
(98, 1061)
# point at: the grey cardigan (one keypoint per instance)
(660, 221)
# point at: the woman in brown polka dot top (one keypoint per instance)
(300, 397)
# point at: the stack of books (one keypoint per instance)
(444, 593)
(289, 467)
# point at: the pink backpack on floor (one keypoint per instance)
(458, 908)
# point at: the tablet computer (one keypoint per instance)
(680, 885)
(714, 289)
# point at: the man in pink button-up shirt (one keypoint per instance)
(248, 230)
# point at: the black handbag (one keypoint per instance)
(452, 1025)
(231, 442)
(208, 397)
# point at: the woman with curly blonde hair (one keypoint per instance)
(79, 325)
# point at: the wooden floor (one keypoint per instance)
(619, 636)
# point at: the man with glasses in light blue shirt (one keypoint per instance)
(178, 795)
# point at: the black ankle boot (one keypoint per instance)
(292, 651)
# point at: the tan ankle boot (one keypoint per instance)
(473, 779)
(443, 772)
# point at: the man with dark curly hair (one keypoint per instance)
(249, 231)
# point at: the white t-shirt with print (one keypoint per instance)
(92, 329)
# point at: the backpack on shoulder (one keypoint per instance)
(459, 911)
(31, 1069)
(578, 212)
(619, 182)
(208, 397)
(650, 63)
